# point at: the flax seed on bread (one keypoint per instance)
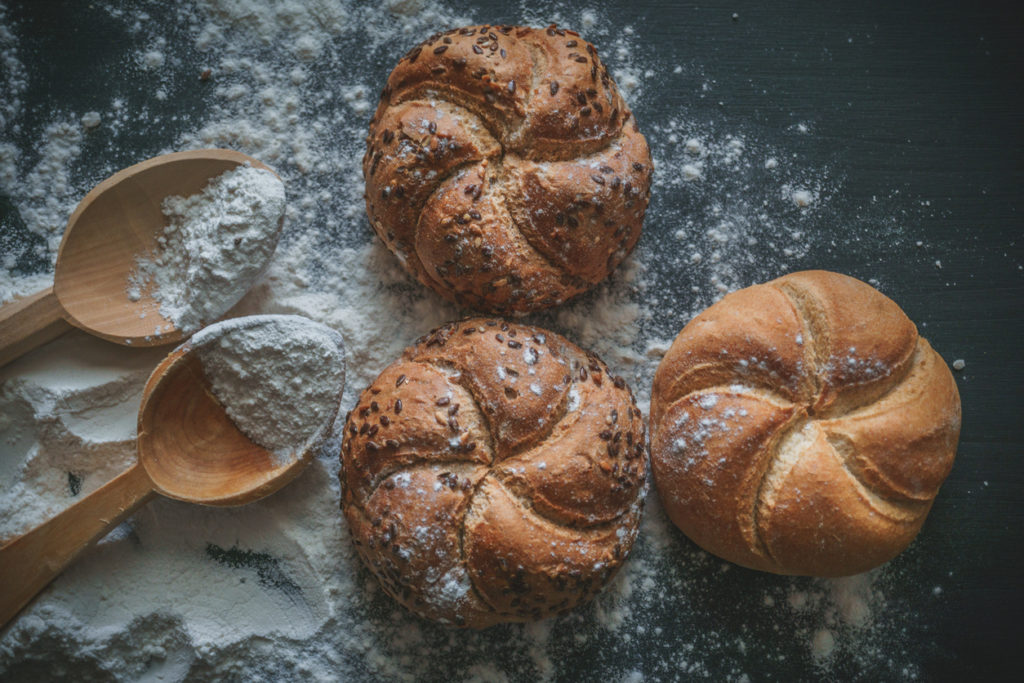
(504, 169)
(496, 472)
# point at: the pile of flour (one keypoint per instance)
(273, 590)
(279, 377)
(67, 424)
(216, 244)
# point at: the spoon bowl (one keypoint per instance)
(116, 222)
(192, 451)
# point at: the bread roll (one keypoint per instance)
(504, 169)
(495, 472)
(802, 427)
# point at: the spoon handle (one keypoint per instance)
(28, 322)
(33, 560)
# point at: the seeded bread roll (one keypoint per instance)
(494, 473)
(802, 427)
(504, 169)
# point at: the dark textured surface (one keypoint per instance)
(916, 103)
(927, 100)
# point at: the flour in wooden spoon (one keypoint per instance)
(279, 377)
(216, 245)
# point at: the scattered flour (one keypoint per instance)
(802, 197)
(42, 188)
(216, 244)
(278, 377)
(13, 78)
(823, 644)
(67, 424)
(152, 59)
(274, 590)
(91, 119)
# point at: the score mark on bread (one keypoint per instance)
(802, 427)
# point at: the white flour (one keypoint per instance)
(279, 377)
(272, 590)
(216, 245)
(67, 424)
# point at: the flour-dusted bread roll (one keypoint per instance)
(504, 169)
(802, 427)
(494, 473)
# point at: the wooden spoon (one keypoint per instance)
(115, 223)
(188, 449)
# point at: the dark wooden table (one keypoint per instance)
(915, 108)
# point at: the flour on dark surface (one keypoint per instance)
(294, 84)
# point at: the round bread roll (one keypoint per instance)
(802, 427)
(494, 473)
(504, 169)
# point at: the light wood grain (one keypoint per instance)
(30, 562)
(29, 322)
(193, 451)
(118, 221)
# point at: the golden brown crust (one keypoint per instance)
(504, 169)
(494, 473)
(801, 426)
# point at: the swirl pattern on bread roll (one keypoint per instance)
(504, 169)
(496, 472)
(802, 427)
